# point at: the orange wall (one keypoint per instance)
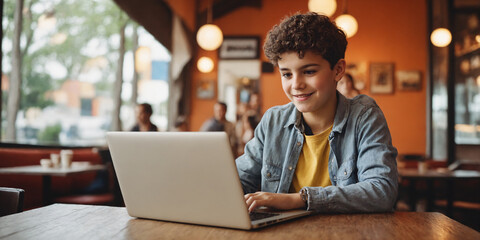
(389, 31)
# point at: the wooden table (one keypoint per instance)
(47, 173)
(66, 221)
(413, 175)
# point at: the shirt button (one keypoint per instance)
(290, 168)
(334, 177)
(298, 143)
(345, 172)
(268, 174)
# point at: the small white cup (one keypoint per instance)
(46, 163)
(55, 157)
(66, 157)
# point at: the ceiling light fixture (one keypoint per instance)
(347, 22)
(326, 7)
(441, 37)
(209, 36)
(205, 64)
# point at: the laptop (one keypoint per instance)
(186, 177)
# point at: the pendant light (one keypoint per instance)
(347, 22)
(205, 64)
(209, 36)
(326, 7)
(441, 37)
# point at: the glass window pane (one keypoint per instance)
(439, 101)
(69, 59)
(467, 77)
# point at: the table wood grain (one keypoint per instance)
(68, 221)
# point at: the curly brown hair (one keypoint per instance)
(304, 32)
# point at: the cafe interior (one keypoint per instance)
(419, 60)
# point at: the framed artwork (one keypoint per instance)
(206, 89)
(245, 47)
(381, 78)
(409, 80)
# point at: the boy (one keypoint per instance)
(321, 152)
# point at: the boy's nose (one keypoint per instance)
(298, 82)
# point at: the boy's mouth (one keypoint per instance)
(302, 97)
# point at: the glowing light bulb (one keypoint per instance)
(326, 7)
(441, 37)
(209, 37)
(205, 64)
(348, 24)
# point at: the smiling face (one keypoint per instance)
(310, 83)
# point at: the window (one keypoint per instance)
(69, 54)
(455, 82)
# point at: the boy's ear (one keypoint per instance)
(339, 69)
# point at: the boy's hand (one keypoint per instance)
(282, 201)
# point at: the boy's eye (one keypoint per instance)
(309, 72)
(286, 75)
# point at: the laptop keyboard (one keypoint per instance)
(261, 215)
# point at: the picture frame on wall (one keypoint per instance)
(381, 78)
(408, 80)
(206, 89)
(240, 47)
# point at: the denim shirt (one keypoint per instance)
(362, 162)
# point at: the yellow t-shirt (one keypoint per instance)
(312, 166)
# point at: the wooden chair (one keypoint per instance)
(11, 200)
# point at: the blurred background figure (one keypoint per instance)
(248, 116)
(346, 86)
(219, 123)
(249, 125)
(143, 113)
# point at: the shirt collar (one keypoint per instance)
(294, 118)
(341, 115)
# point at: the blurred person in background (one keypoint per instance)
(143, 112)
(220, 123)
(248, 116)
(346, 86)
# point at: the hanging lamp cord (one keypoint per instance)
(344, 7)
(209, 12)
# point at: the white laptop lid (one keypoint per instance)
(186, 177)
